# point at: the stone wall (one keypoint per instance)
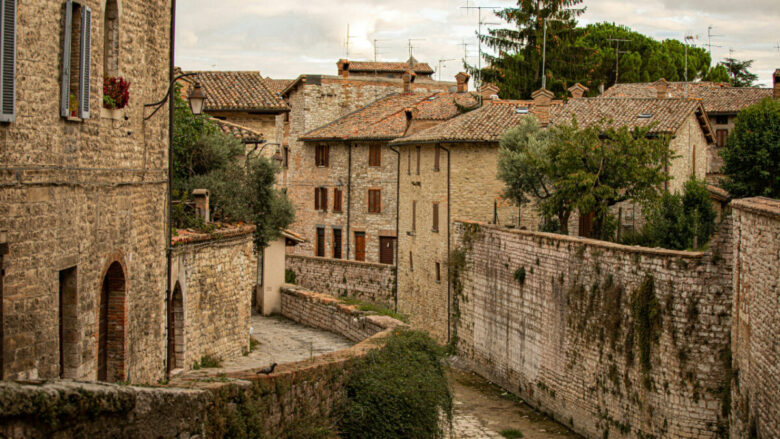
(756, 319)
(361, 280)
(611, 340)
(216, 278)
(80, 196)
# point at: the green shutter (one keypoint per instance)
(8, 60)
(65, 92)
(85, 59)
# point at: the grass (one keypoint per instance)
(253, 343)
(511, 433)
(372, 307)
(207, 362)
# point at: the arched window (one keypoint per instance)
(111, 39)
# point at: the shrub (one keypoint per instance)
(289, 276)
(398, 391)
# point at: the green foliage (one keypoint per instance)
(398, 391)
(374, 308)
(520, 275)
(752, 152)
(289, 276)
(678, 221)
(646, 315)
(207, 362)
(511, 433)
(565, 168)
(738, 73)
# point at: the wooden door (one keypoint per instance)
(103, 334)
(360, 246)
(386, 250)
(586, 224)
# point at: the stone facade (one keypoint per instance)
(83, 203)
(362, 280)
(613, 341)
(264, 123)
(756, 319)
(212, 283)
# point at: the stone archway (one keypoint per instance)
(176, 329)
(111, 332)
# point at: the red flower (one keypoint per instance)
(118, 90)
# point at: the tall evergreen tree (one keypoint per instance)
(738, 72)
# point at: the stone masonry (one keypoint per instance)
(611, 340)
(755, 340)
(83, 203)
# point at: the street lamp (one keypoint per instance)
(196, 97)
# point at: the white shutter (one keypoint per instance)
(85, 61)
(8, 60)
(65, 92)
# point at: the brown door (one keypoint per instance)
(360, 246)
(586, 224)
(103, 334)
(386, 250)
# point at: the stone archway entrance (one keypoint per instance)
(111, 333)
(176, 329)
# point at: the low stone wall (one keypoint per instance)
(361, 280)
(283, 404)
(613, 341)
(214, 278)
(756, 328)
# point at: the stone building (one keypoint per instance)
(349, 209)
(451, 174)
(373, 69)
(83, 190)
(721, 102)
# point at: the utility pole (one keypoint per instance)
(478, 76)
(443, 61)
(617, 56)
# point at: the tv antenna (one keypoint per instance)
(411, 47)
(617, 55)
(465, 50)
(709, 40)
(478, 78)
(443, 61)
(349, 38)
(376, 49)
(777, 46)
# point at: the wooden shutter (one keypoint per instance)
(8, 61)
(436, 156)
(316, 198)
(418, 160)
(435, 217)
(85, 61)
(65, 92)
(409, 163)
(414, 215)
(324, 199)
(325, 153)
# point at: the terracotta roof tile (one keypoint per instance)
(387, 67)
(277, 86)
(385, 119)
(717, 97)
(667, 114)
(245, 91)
(244, 134)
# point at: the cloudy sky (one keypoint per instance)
(285, 38)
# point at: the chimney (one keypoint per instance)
(343, 65)
(462, 79)
(577, 90)
(542, 103)
(410, 113)
(776, 81)
(662, 89)
(408, 78)
(202, 204)
(489, 91)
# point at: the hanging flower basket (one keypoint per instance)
(116, 93)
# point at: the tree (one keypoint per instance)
(588, 169)
(738, 72)
(752, 153)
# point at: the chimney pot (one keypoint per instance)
(542, 102)
(408, 78)
(202, 204)
(662, 89)
(488, 91)
(462, 79)
(577, 90)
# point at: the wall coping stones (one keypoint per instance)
(192, 237)
(346, 262)
(768, 207)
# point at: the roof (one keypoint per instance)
(242, 133)
(486, 124)
(717, 97)
(292, 236)
(386, 67)
(239, 91)
(662, 115)
(277, 85)
(386, 119)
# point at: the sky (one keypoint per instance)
(285, 38)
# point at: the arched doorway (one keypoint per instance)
(111, 335)
(176, 329)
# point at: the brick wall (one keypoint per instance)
(561, 321)
(362, 280)
(756, 323)
(217, 278)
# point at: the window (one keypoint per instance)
(435, 217)
(411, 262)
(721, 120)
(337, 200)
(7, 60)
(438, 272)
(436, 157)
(720, 137)
(74, 99)
(336, 243)
(374, 201)
(321, 155)
(418, 159)
(111, 39)
(375, 155)
(409, 163)
(360, 246)
(321, 242)
(321, 199)
(414, 216)
(286, 157)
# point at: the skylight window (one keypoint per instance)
(645, 116)
(432, 98)
(521, 110)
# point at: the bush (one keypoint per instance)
(399, 391)
(289, 276)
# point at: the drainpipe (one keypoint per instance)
(168, 222)
(449, 226)
(397, 219)
(349, 193)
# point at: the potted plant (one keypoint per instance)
(116, 94)
(73, 105)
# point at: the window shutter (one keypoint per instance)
(436, 217)
(317, 154)
(324, 202)
(8, 61)
(316, 198)
(325, 154)
(65, 92)
(436, 159)
(85, 60)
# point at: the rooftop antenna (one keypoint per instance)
(544, 46)
(617, 55)
(465, 50)
(709, 40)
(687, 38)
(411, 48)
(376, 50)
(349, 38)
(478, 76)
(444, 61)
(777, 46)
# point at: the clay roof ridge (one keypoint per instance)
(333, 122)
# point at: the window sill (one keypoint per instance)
(435, 230)
(114, 114)
(74, 119)
(411, 234)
